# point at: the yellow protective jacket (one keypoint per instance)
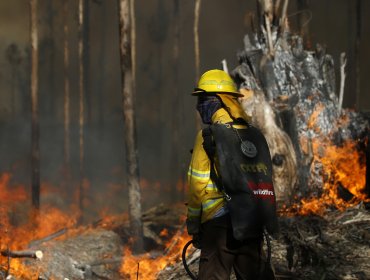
(204, 199)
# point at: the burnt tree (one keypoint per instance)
(129, 123)
(35, 134)
(81, 52)
(357, 52)
(66, 106)
(197, 9)
(291, 94)
(176, 106)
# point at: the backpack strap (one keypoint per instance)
(209, 146)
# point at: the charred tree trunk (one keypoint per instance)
(81, 102)
(197, 52)
(66, 95)
(129, 122)
(301, 108)
(267, 11)
(289, 125)
(102, 76)
(132, 26)
(357, 52)
(86, 57)
(35, 142)
(50, 54)
(176, 105)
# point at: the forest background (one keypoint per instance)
(164, 82)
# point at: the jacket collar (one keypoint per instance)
(221, 116)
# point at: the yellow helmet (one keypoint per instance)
(216, 82)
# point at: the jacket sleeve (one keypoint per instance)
(198, 177)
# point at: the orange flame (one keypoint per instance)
(10, 194)
(146, 266)
(342, 166)
(19, 224)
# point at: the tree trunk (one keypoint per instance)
(102, 77)
(197, 51)
(81, 101)
(66, 96)
(196, 38)
(306, 110)
(129, 122)
(50, 58)
(86, 58)
(357, 53)
(35, 153)
(176, 108)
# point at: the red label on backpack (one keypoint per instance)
(263, 190)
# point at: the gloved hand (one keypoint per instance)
(197, 242)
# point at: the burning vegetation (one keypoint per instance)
(102, 249)
(343, 178)
(51, 245)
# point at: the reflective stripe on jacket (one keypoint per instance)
(204, 199)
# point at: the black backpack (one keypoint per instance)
(241, 168)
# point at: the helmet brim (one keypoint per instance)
(200, 92)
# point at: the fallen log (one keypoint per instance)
(52, 236)
(22, 254)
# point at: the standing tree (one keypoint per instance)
(176, 105)
(196, 50)
(196, 38)
(101, 58)
(35, 134)
(66, 94)
(47, 18)
(86, 58)
(125, 13)
(81, 101)
(357, 52)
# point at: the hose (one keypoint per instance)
(183, 256)
(268, 243)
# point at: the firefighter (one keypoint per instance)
(224, 244)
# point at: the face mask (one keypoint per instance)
(207, 106)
